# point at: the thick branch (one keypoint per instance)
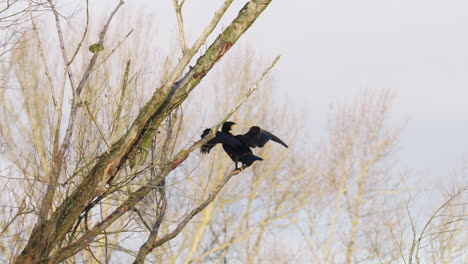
(126, 206)
(41, 246)
(138, 195)
(47, 235)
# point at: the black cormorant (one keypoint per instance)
(238, 146)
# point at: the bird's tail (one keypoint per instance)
(248, 160)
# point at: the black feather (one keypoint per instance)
(238, 147)
(257, 137)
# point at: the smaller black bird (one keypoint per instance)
(238, 147)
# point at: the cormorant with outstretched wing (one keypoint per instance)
(238, 147)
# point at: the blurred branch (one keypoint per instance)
(58, 103)
(429, 222)
(413, 230)
(21, 211)
(252, 89)
(93, 119)
(192, 213)
(13, 22)
(147, 247)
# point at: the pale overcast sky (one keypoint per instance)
(332, 50)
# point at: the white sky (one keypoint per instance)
(418, 49)
(333, 49)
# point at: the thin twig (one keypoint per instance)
(57, 103)
(84, 34)
(180, 22)
(59, 156)
(93, 60)
(142, 219)
(443, 206)
(86, 105)
(188, 55)
(196, 210)
(147, 247)
(253, 88)
(62, 44)
(114, 49)
(116, 122)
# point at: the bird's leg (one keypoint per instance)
(237, 169)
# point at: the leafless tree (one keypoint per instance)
(442, 237)
(82, 169)
(343, 222)
(360, 212)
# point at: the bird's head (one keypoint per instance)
(227, 126)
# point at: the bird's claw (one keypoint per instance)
(238, 170)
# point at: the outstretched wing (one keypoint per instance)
(257, 137)
(220, 137)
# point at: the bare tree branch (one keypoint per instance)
(85, 32)
(155, 182)
(59, 156)
(50, 233)
(180, 22)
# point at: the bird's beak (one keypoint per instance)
(233, 126)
